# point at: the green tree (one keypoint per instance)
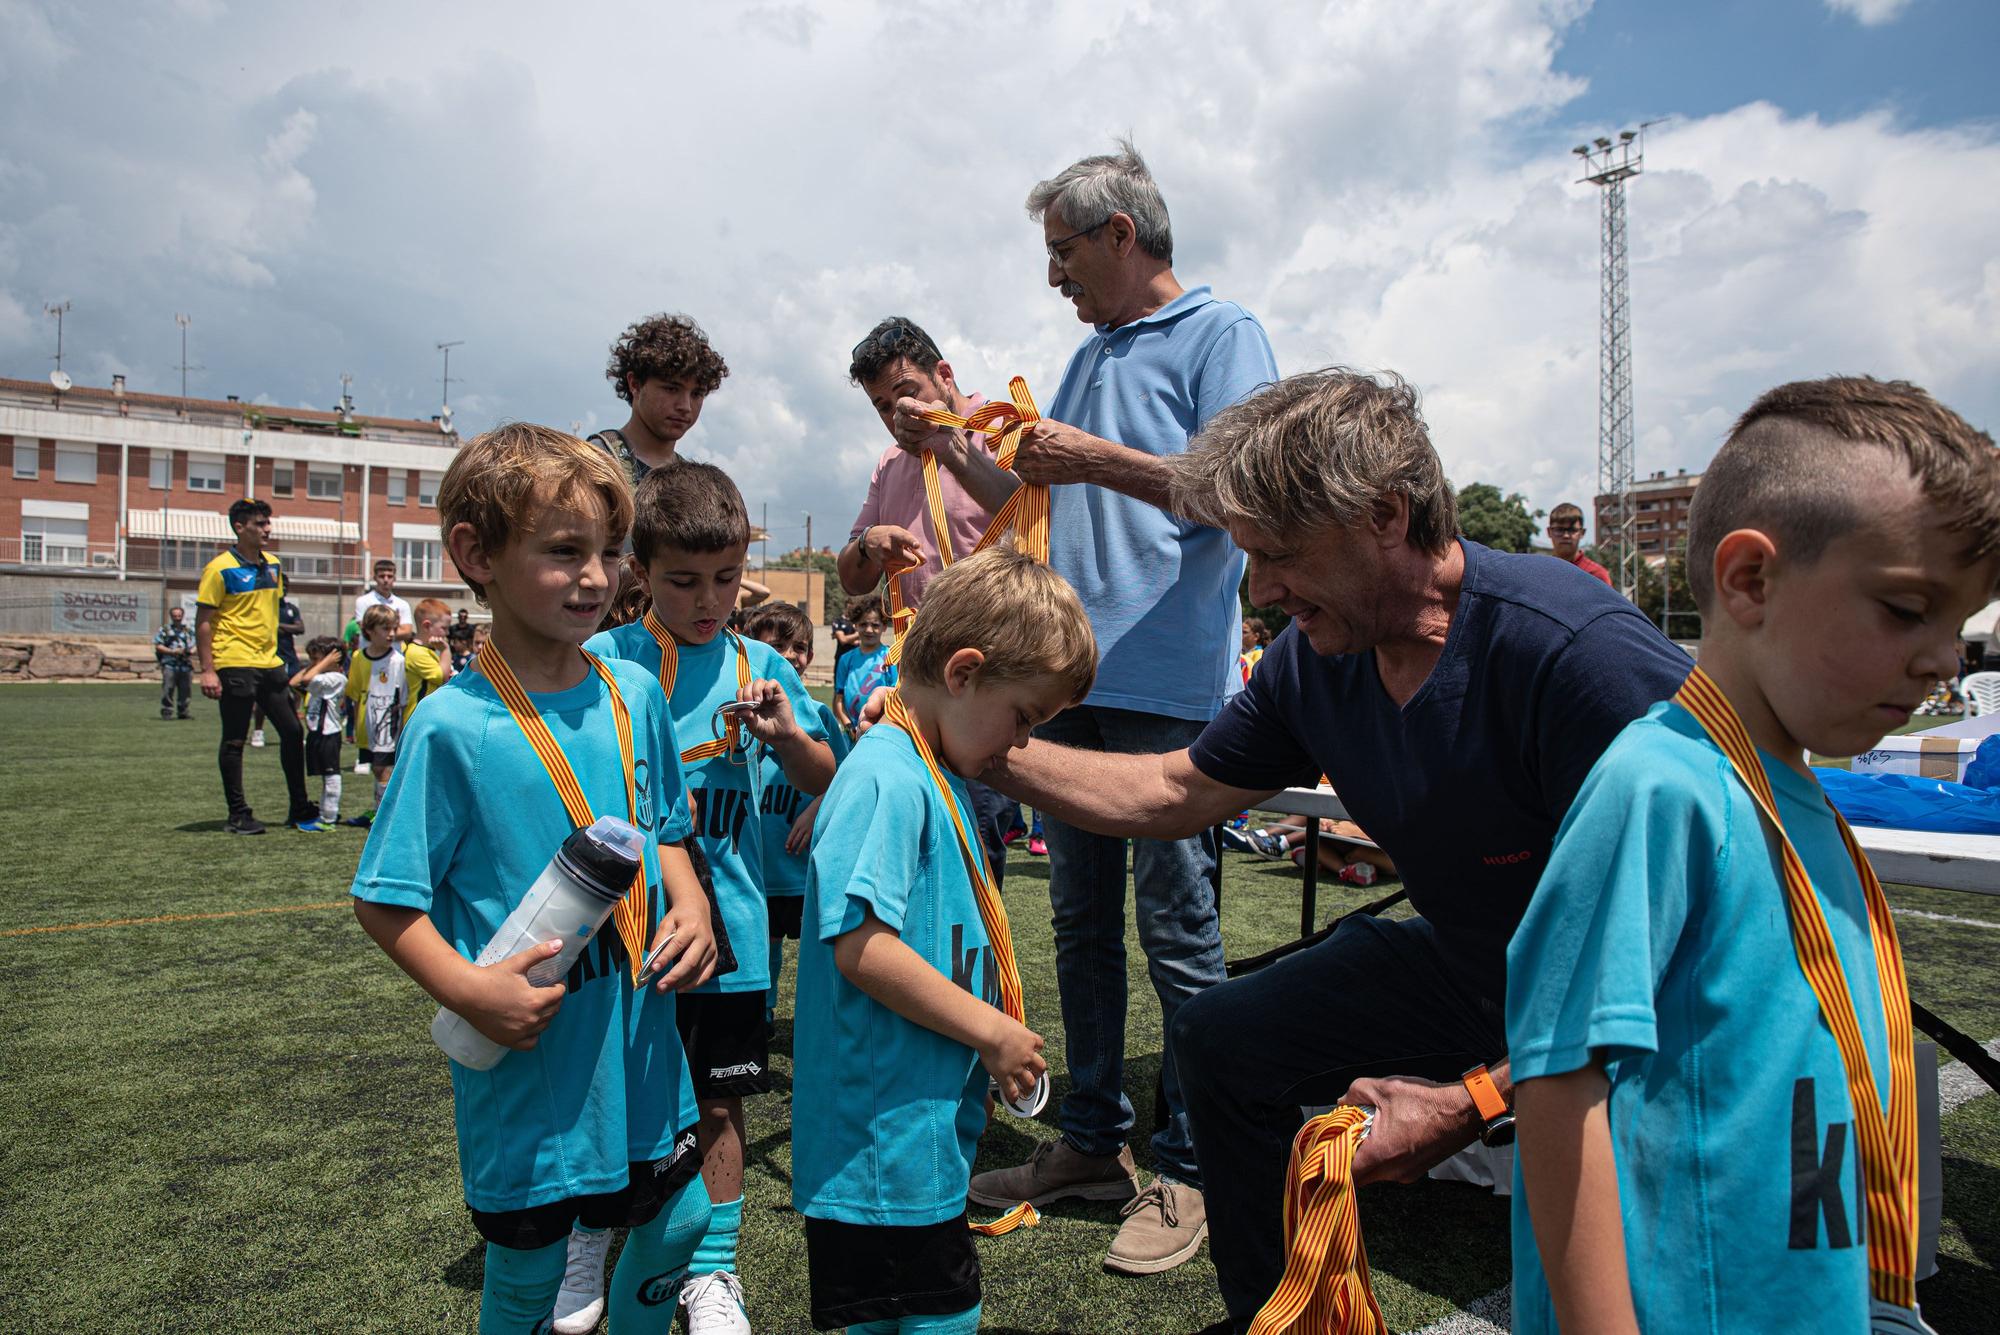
(1668, 602)
(1503, 523)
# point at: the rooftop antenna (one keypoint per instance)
(58, 377)
(184, 321)
(444, 414)
(346, 395)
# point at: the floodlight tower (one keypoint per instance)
(1608, 166)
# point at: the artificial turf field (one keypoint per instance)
(239, 1122)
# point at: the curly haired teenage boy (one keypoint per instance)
(591, 1117)
(665, 369)
(1706, 1012)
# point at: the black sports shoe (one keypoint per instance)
(244, 824)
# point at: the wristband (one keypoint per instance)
(1497, 1120)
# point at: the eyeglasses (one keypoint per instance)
(1567, 528)
(1055, 247)
(899, 333)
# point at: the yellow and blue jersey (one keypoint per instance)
(245, 596)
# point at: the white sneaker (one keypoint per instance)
(360, 767)
(580, 1301)
(257, 737)
(714, 1305)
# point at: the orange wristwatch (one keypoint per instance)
(1496, 1117)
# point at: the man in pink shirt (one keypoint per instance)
(898, 366)
(902, 372)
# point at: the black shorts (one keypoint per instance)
(786, 912)
(323, 753)
(865, 1272)
(649, 1186)
(378, 759)
(723, 1033)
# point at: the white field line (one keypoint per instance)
(1957, 1084)
(1928, 916)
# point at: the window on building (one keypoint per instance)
(427, 488)
(76, 463)
(419, 560)
(27, 458)
(185, 554)
(160, 469)
(399, 486)
(54, 542)
(309, 560)
(204, 472)
(323, 484)
(284, 474)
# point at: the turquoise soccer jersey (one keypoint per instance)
(784, 872)
(860, 673)
(896, 1108)
(1659, 944)
(726, 806)
(469, 821)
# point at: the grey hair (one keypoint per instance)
(1087, 192)
(1316, 450)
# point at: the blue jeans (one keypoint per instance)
(1178, 929)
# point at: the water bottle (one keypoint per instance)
(571, 899)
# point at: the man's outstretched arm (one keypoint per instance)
(1152, 797)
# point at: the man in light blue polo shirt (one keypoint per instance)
(1161, 592)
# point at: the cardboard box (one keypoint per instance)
(1921, 754)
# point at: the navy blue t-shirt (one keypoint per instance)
(1465, 785)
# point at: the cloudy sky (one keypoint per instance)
(1386, 184)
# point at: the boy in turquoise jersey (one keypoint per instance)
(899, 1021)
(592, 1116)
(690, 534)
(868, 667)
(1700, 1094)
(785, 815)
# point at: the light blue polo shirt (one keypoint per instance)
(1161, 592)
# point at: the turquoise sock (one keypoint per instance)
(519, 1294)
(777, 972)
(718, 1245)
(646, 1283)
(957, 1323)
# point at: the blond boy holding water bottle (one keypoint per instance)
(589, 1116)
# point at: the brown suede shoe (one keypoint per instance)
(1164, 1226)
(1056, 1172)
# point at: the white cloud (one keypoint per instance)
(1382, 183)
(1869, 13)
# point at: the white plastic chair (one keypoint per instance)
(1982, 693)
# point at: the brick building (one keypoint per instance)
(1659, 513)
(108, 485)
